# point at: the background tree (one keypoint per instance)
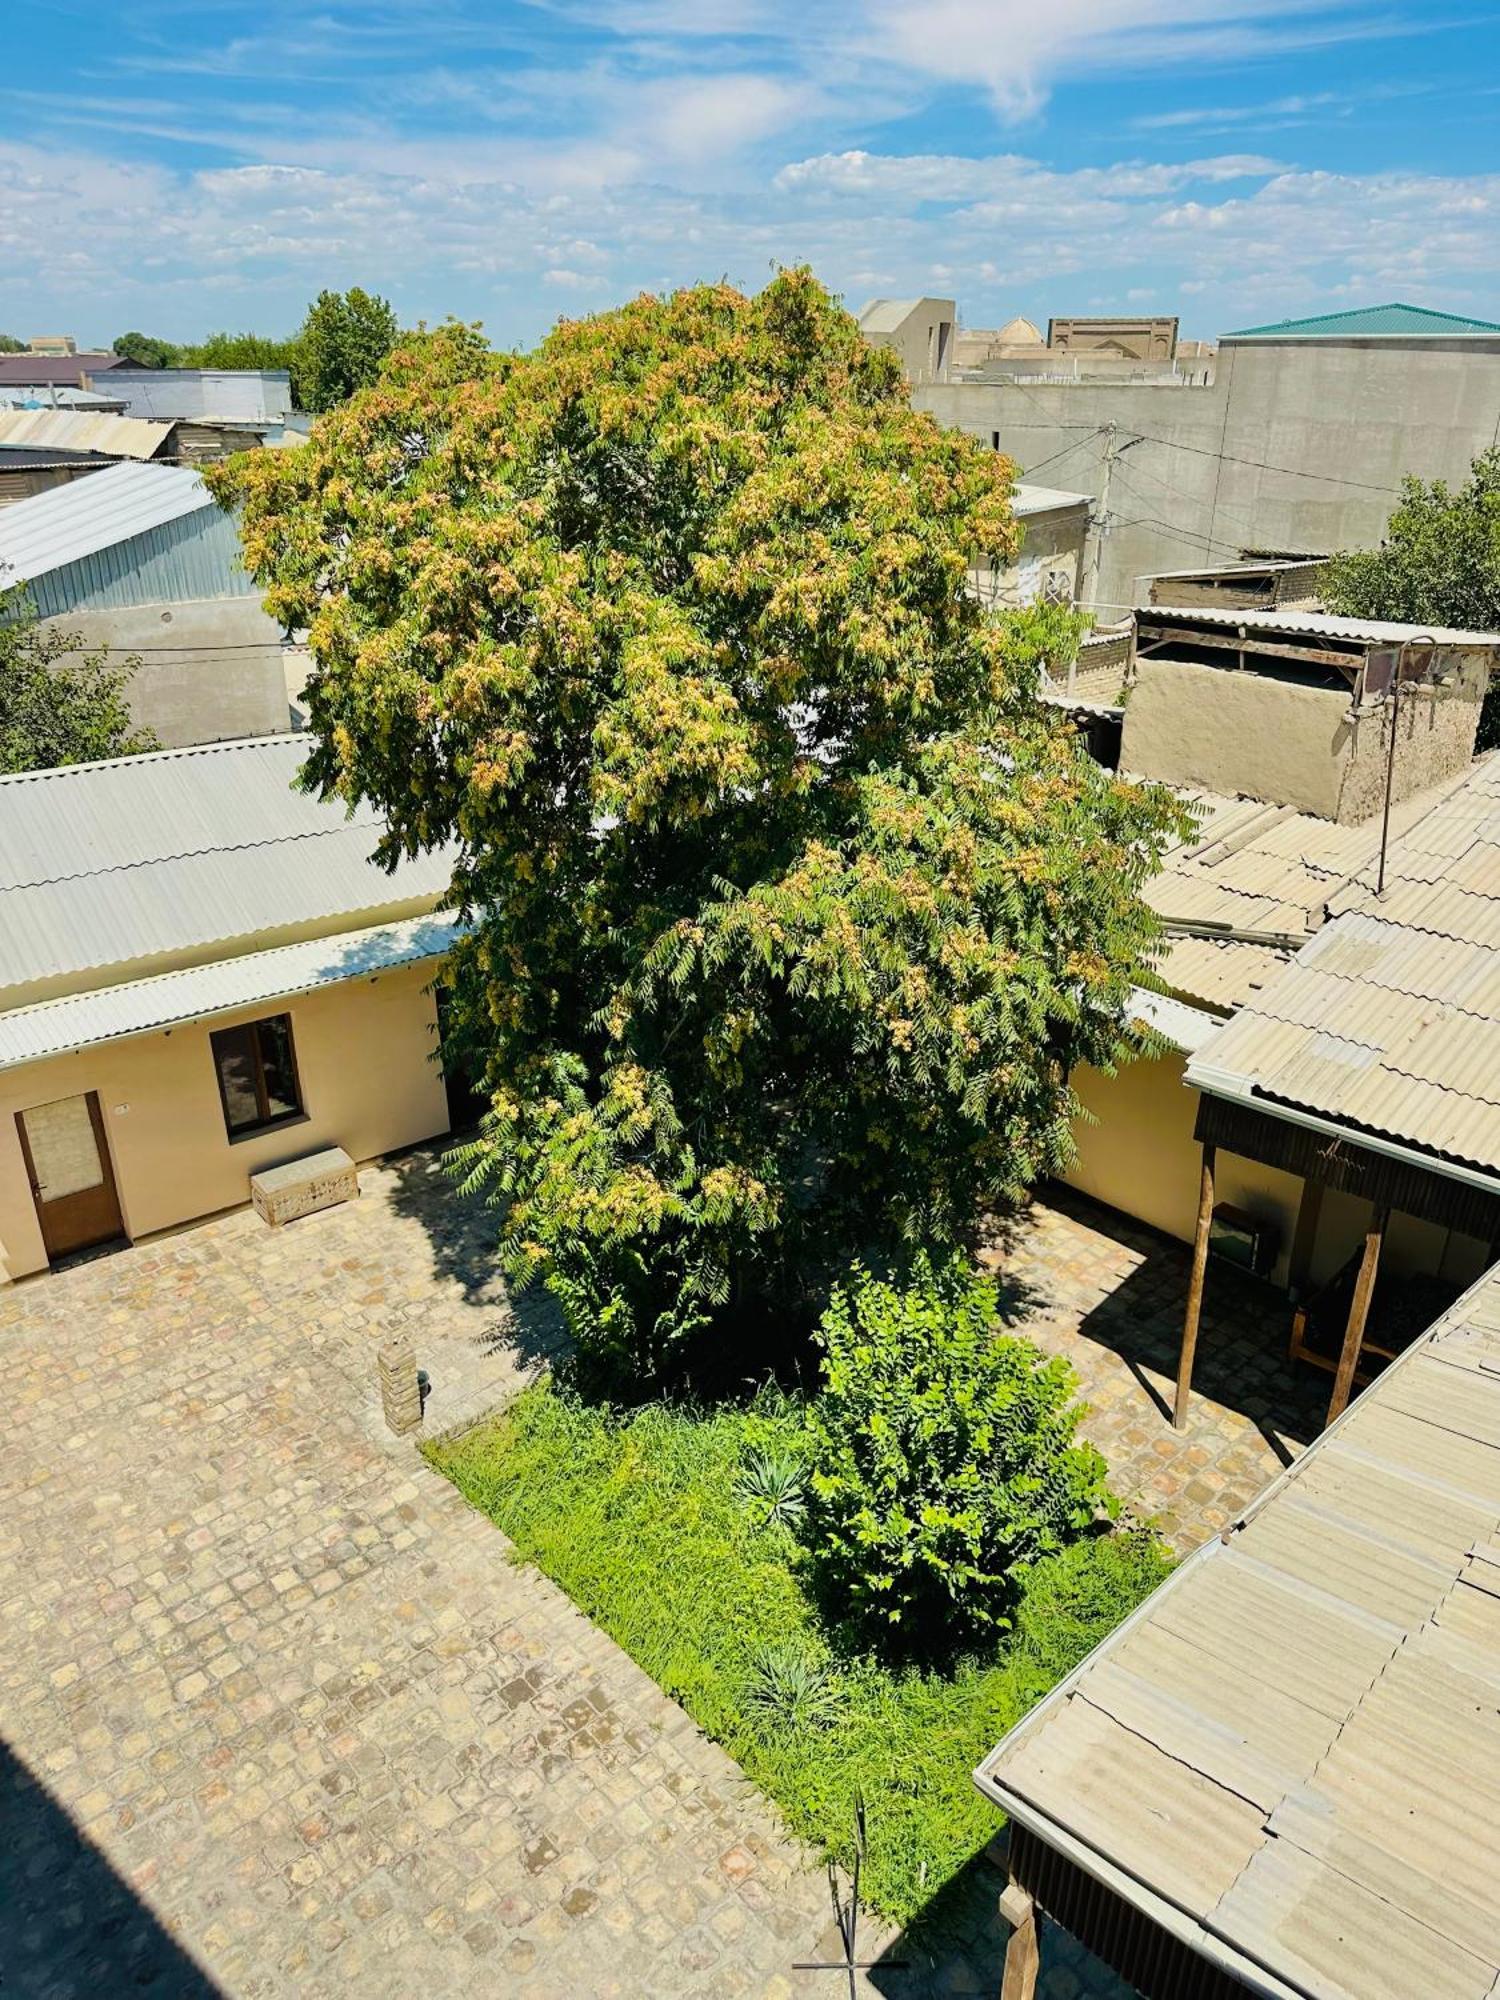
(791, 907)
(55, 709)
(10, 345)
(1439, 564)
(238, 350)
(146, 350)
(343, 341)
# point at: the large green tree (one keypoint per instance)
(147, 350)
(59, 704)
(1439, 564)
(791, 907)
(343, 341)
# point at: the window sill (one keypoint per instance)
(248, 1132)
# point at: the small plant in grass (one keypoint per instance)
(944, 1458)
(772, 1486)
(789, 1688)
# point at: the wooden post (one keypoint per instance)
(1359, 1312)
(1309, 1210)
(1023, 1953)
(1195, 1289)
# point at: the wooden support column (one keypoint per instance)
(1359, 1312)
(1309, 1211)
(1023, 1954)
(1195, 1289)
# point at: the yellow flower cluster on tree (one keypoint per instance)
(791, 908)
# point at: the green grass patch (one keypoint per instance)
(637, 1518)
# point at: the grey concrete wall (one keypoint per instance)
(210, 670)
(1297, 445)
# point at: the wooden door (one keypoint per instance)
(72, 1178)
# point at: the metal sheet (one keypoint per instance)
(67, 524)
(82, 430)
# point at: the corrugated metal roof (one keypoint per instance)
(1184, 1027)
(180, 854)
(1027, 500)
(1295, 1742)
(69, 523)
(1388, 1020)
(53, 1027)
(44, 369)
(1315, 625)
(1369, 322)
(82, 430)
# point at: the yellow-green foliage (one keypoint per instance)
(644, 1523)
(792, 906)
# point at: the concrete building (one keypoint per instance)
(140, 560)
(1049, 564)
(919, 330)
(215, 410)
(202, 975)
(1298, 443)
(1128, 339)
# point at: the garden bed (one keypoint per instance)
(639, 1520)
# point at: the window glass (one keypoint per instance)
(277, 1067)
(234, 1052)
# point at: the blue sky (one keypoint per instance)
(182, 165)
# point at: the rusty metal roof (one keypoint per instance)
(1290, 1755)
(1388, 1019)
(82, 430)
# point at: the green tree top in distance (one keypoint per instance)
(792, 907)
(1439, 564)
(147, 351)
(56, 709)
(10, 345)
(343, 341)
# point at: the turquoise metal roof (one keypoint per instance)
(1365, 322)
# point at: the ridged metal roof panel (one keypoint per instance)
(28, 1034)
(1318, 625)
(1296, 1741)
(68, 523)
(147, 859)
(81, 430)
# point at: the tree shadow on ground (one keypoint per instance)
(463, 1236)
(71, 1924)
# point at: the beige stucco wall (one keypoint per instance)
(1052, 545)
(210, 669)
(1140, 1157)
(368, 1085)
(1229, 731)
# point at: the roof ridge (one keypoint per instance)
(350, 825)
(149, 757)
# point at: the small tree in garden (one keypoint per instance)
(58, 703)
(944, 1460)
(791, 908)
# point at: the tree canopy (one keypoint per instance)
(147, 351)
(343, 341)
(1439, 564)
(10, 345)
(58, 703)
(790, 907)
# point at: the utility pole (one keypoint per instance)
(1112, 451)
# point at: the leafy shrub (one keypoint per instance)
(788, 1687)
(944, 1460)
(773, 1485)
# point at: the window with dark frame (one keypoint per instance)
(257, 1070)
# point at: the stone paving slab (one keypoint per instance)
(280, 1717)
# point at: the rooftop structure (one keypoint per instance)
(63, 369)
(131, 534)
(920, 331)
(254, 397)
(1270, 583)
(101, 436)
(112, 869)
(1276, 1777)
(1394, 321)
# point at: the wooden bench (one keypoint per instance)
(302, 1187)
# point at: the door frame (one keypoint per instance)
(107, 1165)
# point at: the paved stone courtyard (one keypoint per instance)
(1108, 1295)
(278, 1715)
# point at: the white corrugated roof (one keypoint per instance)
(70, 522)
(81, 430)
(1316, 625)
(1289, 1752)
(1186, 1028)
(1028, 499)
(55, 1027)
(144, 858)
